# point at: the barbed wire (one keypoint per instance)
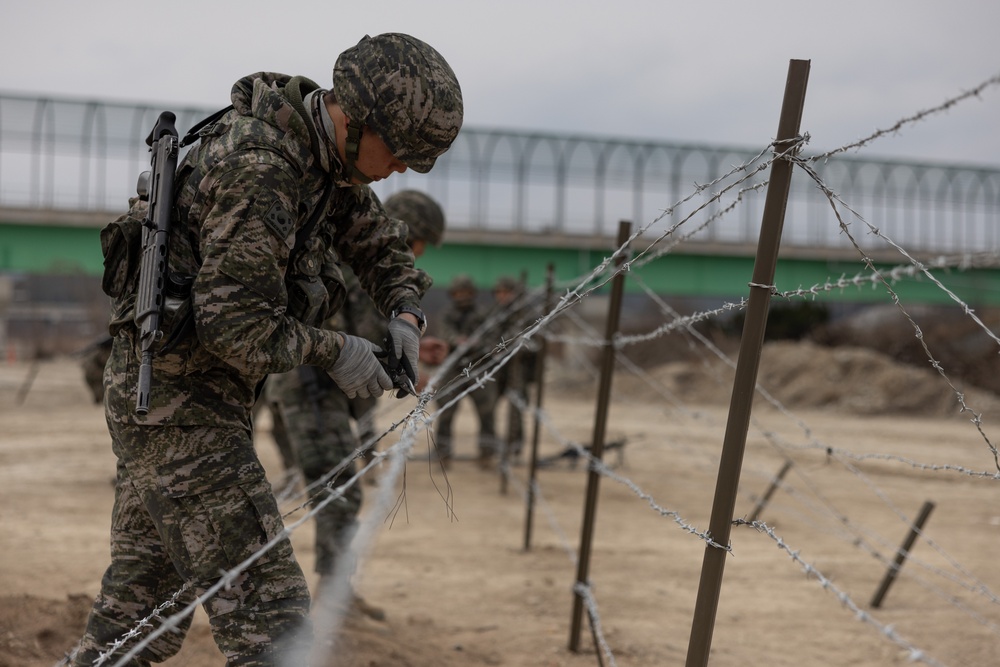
(133, 632)
(579, 294)
(878, 492)
(833, 199)
(599, 466)
(805, 428)
(917, 465)
(909, 120)
(897, 273)
(979, 585)
(914, 654)
(719, 215)
(858, 536)
(586, 592)
(419, 419)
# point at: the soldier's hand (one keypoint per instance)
(358, 371)
(404, 348)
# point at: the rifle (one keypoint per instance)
(156, 188)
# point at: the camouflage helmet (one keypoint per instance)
(405, 91)
(460, 283)
(421, 214)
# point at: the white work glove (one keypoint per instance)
(404, 350)
(358, 371)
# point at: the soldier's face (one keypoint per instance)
(463, 297)
(418, 246)
(374, 158)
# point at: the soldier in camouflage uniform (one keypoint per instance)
(275, 187)
(317, 413)
(425, 225)
(459, 321)
(510, 378)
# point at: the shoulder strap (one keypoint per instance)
(195, 132)
(306, 230)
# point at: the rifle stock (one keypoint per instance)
(156, 188)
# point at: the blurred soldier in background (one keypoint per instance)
(461, 319)
(425, 222)
(508, 312)
(317, 414)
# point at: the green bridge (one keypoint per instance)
(517, 201)
(36, 241)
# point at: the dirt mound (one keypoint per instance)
(36, 632)
(802, 374)
(958, 343)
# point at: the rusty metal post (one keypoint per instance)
(904, 551)
(597, 445)
(734, 443)
(543, 349)
(762, 503)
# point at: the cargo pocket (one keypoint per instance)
(221, 512)
(121, 242)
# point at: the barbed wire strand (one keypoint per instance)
(914, 118)
(833, 198)
(914, 654)
(979, 587)
(572, 296)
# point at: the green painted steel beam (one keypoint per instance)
(33, 248)
(68, 249)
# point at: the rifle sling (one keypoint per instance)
(195, 132)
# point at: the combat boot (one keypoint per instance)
(361, 606)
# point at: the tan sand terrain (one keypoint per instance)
(463, 591)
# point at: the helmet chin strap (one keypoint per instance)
(352, 149)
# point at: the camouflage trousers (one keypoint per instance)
(318, 423)
(190, 503)
(510, 380)
(484, 399)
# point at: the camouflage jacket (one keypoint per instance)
(457, 324)
(242, 195)
(357, 317)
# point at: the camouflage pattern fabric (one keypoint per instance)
(509, 379)
(243, 193)
(194, 499)
(459, 321)
(278, 431)
(359, 317)
(404, 89)
(317, 418)
(512, 378)
(423, 216)
(173, 523)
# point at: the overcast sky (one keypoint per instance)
(709, 72)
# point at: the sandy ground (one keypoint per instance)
(463, 590)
